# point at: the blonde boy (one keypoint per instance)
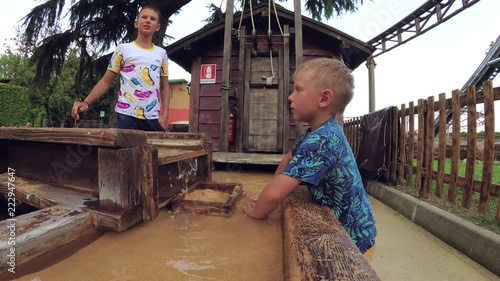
(322, 158)
(143, 71)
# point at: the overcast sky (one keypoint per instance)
(439, 61)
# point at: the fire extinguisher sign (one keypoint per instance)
(207, 73)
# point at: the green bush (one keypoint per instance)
(16, 108)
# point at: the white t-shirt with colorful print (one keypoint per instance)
(140, 70)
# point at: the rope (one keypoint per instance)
(277, 18)
(241, 17)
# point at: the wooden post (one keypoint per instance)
(149, 182)
(241, 91)
(429, 145)
(119, 179)
(420, 145)
(299, 50)
(455, 156)
(411, 142)
(394, 145)
(226, 82)
(194, 96)
(471, 147)
(442, 145)
(286, 87)
(402, 137)
(489, 146)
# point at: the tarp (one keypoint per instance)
(374, 149)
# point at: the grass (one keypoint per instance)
(487, 221)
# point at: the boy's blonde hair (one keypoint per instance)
(333, 74)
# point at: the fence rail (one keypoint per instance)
(413, 152)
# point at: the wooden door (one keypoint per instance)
(263, 114)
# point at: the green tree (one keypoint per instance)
(96, 25)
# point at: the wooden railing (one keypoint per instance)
(417, 148)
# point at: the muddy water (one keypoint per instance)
(183, 246)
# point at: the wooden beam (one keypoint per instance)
(226, 79)
(149, 182)
(286, 87)
(315, 244)
(95, 137)
(42, 195)
(119, 178)
(194, 99)
(117, 221)
(40, 232)
(241, 91)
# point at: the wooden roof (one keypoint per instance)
(185, 50)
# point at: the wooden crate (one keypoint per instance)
(212, 208)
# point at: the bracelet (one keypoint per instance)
(88, 104)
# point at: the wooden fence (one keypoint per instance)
(413, 127)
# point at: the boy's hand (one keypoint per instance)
(77, 108)
(163, 120)
(248, 209)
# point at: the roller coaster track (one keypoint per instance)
(431, 14)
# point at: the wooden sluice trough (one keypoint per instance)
(85, 180)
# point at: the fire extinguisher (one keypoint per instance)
(230, 136)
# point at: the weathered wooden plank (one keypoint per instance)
(495, 187)
(246, 110)
(264, 111)
(471, 144)
(40, 232)
(42, 195)
(241, 91)
(462, 101)
(489, 147)
(149, 182)
(281, 105)
(402, 160)
(175, 177)
(69, 165)
(247, 158)
(194, 95)
(264, 95)
(286, 88)
(175, 155)
(316, 246)
(442, 145)
(455, 157)
(261, 71)
(262, 143)
(420, 145)
(119, 178)
(88, 136)
(209, 117)
(411, 143)
(263, 127)
(117, 222)
(210, 103)
(429, 145)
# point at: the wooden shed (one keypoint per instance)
(254, 88)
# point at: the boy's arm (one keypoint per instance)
(164, 101)
(284, 162)
(97, 92)
(273, 194)
(102, 86)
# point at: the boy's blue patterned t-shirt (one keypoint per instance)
(324, 161)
